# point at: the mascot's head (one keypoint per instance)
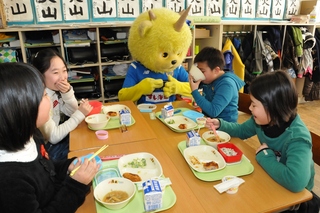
(159, 39)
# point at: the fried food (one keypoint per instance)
(182, 126)
(194, 160)
(112, 113)
(210, 165)
(132, 177)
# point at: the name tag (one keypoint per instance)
(156, 97)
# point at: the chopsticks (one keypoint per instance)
(94, 155)
(215, 132)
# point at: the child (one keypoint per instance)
(286, 147)
(220, 88)
(29, 181)
(63, 103)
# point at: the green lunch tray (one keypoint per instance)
(180, 112)
(238, 169)
(114, 124)
(136, 204)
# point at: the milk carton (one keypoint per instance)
(167, 111)
(125, 116)
(193, 138)
(152, 195)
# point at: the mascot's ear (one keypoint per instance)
(183, 16)
(146, 25)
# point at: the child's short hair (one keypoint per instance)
(212, 56)
(277, 93)
(42, 59)
(22, 87)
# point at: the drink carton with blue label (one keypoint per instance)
(125, 116)
(193, 138)
(152, 195)
(167, 111)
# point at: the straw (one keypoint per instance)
(94, 155)
(215, 132)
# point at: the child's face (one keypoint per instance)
(44, 110)
(56, 74)
(261, 117)
(210, 75)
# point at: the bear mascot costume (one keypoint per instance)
(158, 41)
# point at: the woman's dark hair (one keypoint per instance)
(42, 59)
(22, 87)
(277, 93)
(212, 56)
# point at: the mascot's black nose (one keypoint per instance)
(173, 62)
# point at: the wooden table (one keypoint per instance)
(84, 138)
(186, 201)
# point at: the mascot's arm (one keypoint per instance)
(144, 87)
(173, 87)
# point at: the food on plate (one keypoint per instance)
(137, 163)
(171, 121)
(215, 139)
(210, 165)
(182, 126)
(112, 113)
(194, 160)
(115, 196)
(132, 177)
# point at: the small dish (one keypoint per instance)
(146, 107)
(204, 158)
(143, 165)
(104, 174)
(192, 114)
(230, 152)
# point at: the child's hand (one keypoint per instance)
(86, 172)
(263, 146)
(63, 86)
(212, 121)
(85, 107)
(193, 85)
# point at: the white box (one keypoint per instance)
(193, 139)
(152, 195)
(167, 111)
(125, 117)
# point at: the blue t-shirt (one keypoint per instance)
(138, 72)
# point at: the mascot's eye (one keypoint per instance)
(179, 54)
(165, 55)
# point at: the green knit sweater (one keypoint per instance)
(294, 169)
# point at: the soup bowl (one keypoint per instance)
(114, 193)
(211, 140)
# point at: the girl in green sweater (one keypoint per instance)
(285, 152)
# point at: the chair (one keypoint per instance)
(244, 103)
(315, 147)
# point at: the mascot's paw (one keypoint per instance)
(173, 87)
(148, 85)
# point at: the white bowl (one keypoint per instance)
(196, 73)
(209, 134)
(114, 184)
(97, 121)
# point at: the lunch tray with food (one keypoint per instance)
(137, 203)
(181, 121)
(115, 124)
(244, 167)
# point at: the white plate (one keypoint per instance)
(178, 120)
(151, 169)
(203, 154)
(146, 107)
(114, 108)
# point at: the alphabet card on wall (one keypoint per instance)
(48, 11)
(214, 8)
(18, 12)
(128, 9)
(232, 9)
(293, 8)
(248, 9)
(76, 11)
(176, 5)
(197, 7)
(263, 9)
(150, 4)
(103, 10)
(277, 9)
